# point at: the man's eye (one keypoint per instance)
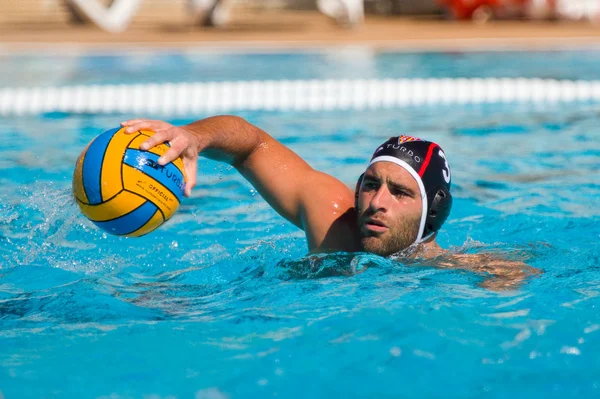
(370, 185)
(399, 193)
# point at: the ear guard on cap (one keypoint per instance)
(438, 211)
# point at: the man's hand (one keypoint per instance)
(183, 143)
(501, 274)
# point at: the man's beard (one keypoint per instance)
(399, 236)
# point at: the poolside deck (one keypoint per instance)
(44, 24)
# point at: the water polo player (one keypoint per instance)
(402, 199)
(400, 202)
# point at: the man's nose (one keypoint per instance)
(381, 199)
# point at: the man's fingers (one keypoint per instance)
(178, 140)
(191, 171)
(169, 156)
(132, 121)
(134, 125)
(155, 139)
(143, 124)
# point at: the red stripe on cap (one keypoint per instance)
(427, 159)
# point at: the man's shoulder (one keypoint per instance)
(326, 196)
(329, 216)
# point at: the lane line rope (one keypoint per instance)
(281, 95)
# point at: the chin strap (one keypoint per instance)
(427, 238)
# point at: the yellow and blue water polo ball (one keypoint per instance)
(122, 189)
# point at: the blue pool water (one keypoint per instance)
(222, 301)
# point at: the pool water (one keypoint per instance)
(223, 301)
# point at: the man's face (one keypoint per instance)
(389, 209)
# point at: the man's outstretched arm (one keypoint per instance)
(292, 187)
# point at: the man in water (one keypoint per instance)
(400, 202)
